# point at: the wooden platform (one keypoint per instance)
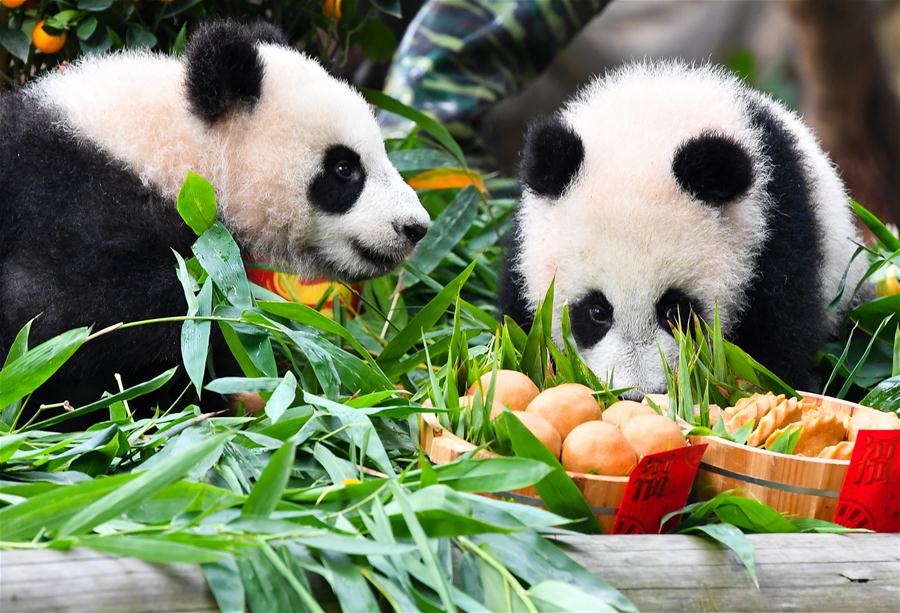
(797, 572)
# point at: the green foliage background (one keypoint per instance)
(329, 478)
(96, 26)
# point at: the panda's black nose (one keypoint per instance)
(412, 231)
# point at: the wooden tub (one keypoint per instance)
(795, 485)
(603, 494)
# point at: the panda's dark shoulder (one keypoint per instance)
(56, 183)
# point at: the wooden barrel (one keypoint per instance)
(603, 494)
(795, 485)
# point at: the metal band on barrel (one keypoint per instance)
(775, 485)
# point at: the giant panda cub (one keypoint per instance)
(663, 188)
(92, 158)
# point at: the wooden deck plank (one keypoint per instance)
(84, 580)
(797, 572)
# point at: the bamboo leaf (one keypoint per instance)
(233, 385)
(348, 583)
(128, 394)
(446, 231)
(421, 540)
(491, 474)
(535, 559)
(423, 321)
(221, 259)
(871, 315)
(887, 238)
(9, 444)
(353, 545)
(406, 160)
(197, 203)
(885, 396)
(267, 491)
(224, 581)
(561, 596)
(47, 511)
(786, 442)
(195, 338)
(865, 356)
(740, 435)
(20, 344)
(151, 549)
(282, 398)
(735, 540)
(430, 125)
(296, 311)
(145, 485)
(31, 369)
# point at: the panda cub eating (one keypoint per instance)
(93, 157)
(664, 188)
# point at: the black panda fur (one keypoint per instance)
(66, 247)
(224, 69)
(784, 323)
(713, 168)
(552, 158)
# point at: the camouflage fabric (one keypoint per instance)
(460, 57)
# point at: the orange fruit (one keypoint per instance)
(660, 400)
(620, 413)
(598, 447)
(511, 388)
(565, 406)
(11, 4)
(467, 402)
(542, 430)
(332, 8)
(653, 433)
(46, 42)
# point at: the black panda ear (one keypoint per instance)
(713, 168)
(265, 32)
(552, 157)
(223, 69)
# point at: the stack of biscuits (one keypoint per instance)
(827, 429)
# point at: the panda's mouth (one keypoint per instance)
(381, 260)
(368, 262)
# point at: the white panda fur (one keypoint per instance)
(92, 158)
(258, 161)
(623, 223)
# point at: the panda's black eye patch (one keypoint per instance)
(339, 183)
(592, 317)
(675, 309)
(713, 168)
(552, 157)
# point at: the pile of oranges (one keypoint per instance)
(569, 421)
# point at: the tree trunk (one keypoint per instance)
(848, 98)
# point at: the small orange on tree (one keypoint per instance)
(332, 8)
(11, 4)
(44, 41)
